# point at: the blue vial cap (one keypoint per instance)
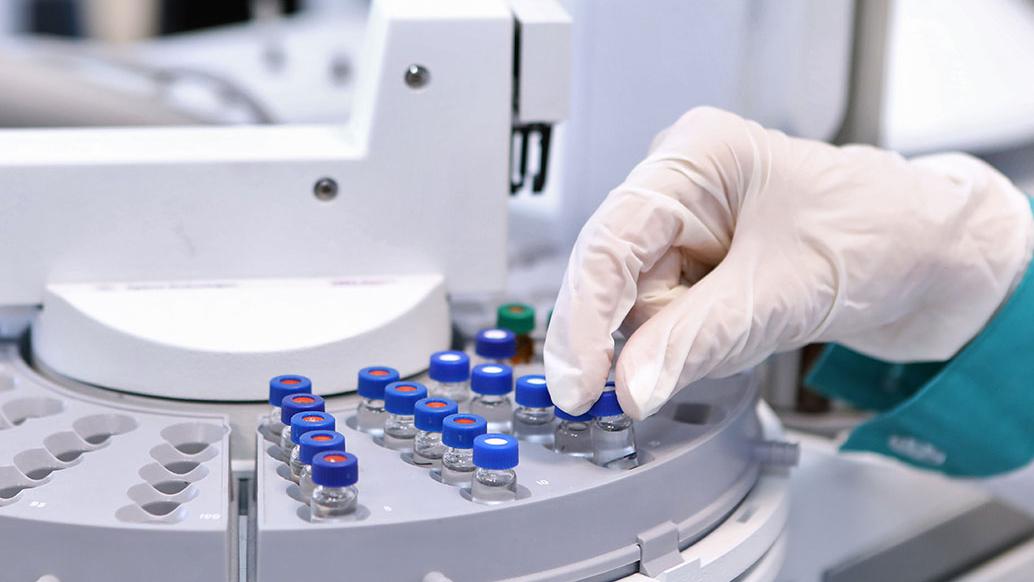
(317, 441)
(449, 366)
(460, 430)
(373, 381)
(495, 344)
(430, 412)
(532, 391)
(308, 421)
(401, 397)
(572, 418)
(607, 405)
(495, 451)
(335, 469)
(286, 385)
(295, 403)
(495, 379)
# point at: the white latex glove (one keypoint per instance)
(730, 242)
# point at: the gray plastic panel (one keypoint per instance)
(578, 521)
(94, 491)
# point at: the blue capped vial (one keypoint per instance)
(335, 474)
(533, 416)
(302, 423)
(428, 416)
(573, 435)
(280, 387)
(491, 385)
(311, 443)
(400, 400)
(494, 480)
(292, 405)
(495, 346)
(613, 438)
(370, 414)
(450, 375)
(458, 434)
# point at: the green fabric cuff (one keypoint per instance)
(972, 416)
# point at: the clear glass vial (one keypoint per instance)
(573, 435)
(450, 375)
(495, 346)
(279, 388)
(335, 474)
(400, 400)
(533, 417)
(458, 434)
(518, 318)
(491, 385)
(302, 423)
(309, 445)
(494, 480)
(428, 415)
(613, 438)
(370, 414)
(290, 406)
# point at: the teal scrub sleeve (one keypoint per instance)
(972, 416)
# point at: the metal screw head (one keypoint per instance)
(417, 76)
(325, 189)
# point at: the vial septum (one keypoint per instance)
(370, 414)
(495, 346)
(494, 480)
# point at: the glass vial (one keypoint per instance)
(335, 474)
(494, 480)
(491, 385)
(458, 434)
(450, 376)
(533, 416)
(370, 414)
(400, 400)
(495, 346)
(309, 445)
(428, 415)
(302, 423)
(279, 388)
(613, 438)
(518, 318)
(573, 435)
(290, 406)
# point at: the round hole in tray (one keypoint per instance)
(181, 467)
(171, 487)
(6, 380)
(96, 429)
(65, 446)
(12, 490)
(22, 409)
(191, 438)
(160, 508)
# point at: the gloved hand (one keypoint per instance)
(730, 242)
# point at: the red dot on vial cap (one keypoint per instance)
(335, 458)
(321, 437)
(303, 399)
(312, 418)
(464, 420)
(436, 404)
(291, 381)
(406, 388)
(378, 372)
